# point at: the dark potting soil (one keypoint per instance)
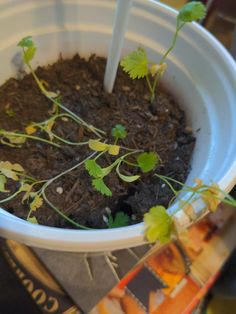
(159, 127)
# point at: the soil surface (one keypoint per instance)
(159, 127)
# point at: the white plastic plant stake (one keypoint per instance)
(119, 28)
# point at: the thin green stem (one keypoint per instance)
(66, 171)
(100, 154)
(173, 43)
(9, 198)
(130, 163)
(93, 129)
(59, 212)
(36, 138)
(149, 84)
(62, 139)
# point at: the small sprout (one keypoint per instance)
(59, 190)
(121, 220)
(28, 47)
(119, 132)
(158, 224)
(192, 11)
(97, 146)
(33, 220)
(136, 63)
(10, 170)
(147, 161)
(100, 186)
(30, 129)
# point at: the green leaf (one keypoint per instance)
(119, 131)
(3, 181)
(147, 161)
(158, 225)
(93, 168)
(136, 63)
(191, 12)
(100, 186)
(128, 178)
(121, 220)
(26, 42)
(29, 54)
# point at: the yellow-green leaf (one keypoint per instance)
(33, 220)
(97, 146)
(113, 150)
(37, 203)
(8, 170)
(14, 141)
(136, 63)
(3, 181)
(158, 224)
(17, 167)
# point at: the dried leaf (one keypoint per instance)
(30, 129)
(9, 170)
(36, 203)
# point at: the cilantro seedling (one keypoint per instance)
(145, 161)
(119, 132)
(121, 220)
(137, 64)
(29, 50)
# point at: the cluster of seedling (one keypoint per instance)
(33, 190)
(159, 224)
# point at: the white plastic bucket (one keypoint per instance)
(200, 72)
